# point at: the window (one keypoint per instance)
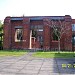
(40, 30)
(73, 39)
(55, 33)
(34, 33)
(40, 38)
(18, 35)
(37, 27)
(73, 27)
(55, 37)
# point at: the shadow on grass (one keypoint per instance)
(65, 55)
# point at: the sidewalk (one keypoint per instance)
(28, 65)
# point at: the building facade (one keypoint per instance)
(35, 32)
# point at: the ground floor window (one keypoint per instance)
(54, 37)
(18, 35)
(73, 40)
(40, 38)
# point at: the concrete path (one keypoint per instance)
(28, 65)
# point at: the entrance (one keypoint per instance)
(36, 40)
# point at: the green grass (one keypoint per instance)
(54, 54)
(12, 53)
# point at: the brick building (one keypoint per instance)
(30, 32)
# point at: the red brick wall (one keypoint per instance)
(26, 32)
(25, 42)
(46, 36)
(54, 45)
(9, 34)
(68, 36)
(15, 44)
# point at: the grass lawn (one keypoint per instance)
(11, 53)
(54, 54)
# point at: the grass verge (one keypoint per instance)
(54, 54)
(12, 53)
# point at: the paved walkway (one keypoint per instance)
(28, 65)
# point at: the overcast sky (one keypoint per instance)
(36, 8)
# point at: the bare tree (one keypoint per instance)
(59, 27)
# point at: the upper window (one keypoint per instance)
(18, 35)
(37, 27)
(40, 30)
(73, 27)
